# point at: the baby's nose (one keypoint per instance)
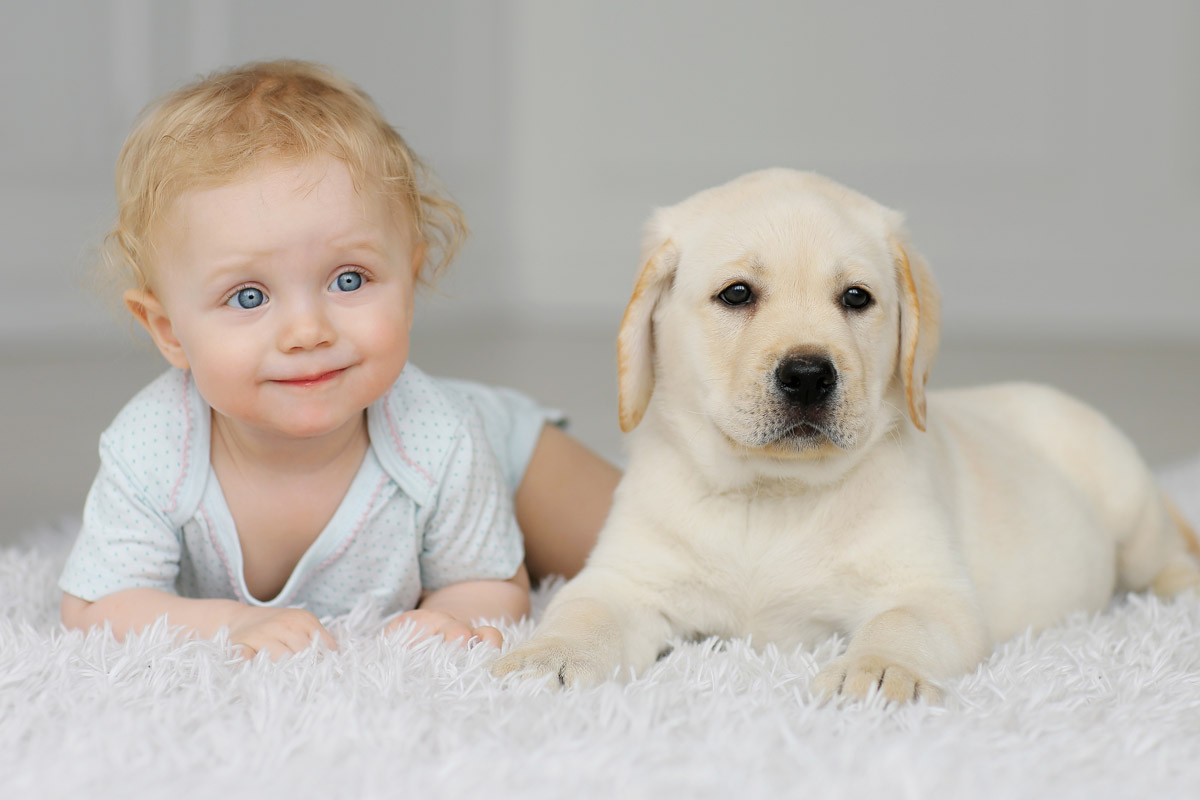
(306, 328)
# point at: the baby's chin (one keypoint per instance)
(301, 425)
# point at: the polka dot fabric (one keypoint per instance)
(431, 504)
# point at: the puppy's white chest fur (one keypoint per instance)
(778, 563)
(767, 573)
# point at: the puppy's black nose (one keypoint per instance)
(806, 380)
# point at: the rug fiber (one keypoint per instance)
(1102, 706)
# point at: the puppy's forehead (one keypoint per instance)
(780, 216)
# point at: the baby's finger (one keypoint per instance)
(306, 625)
(420, 629)
(454, 631)
(245, 651)
(327, 638)
(257, 643)
(489, 635)
(294, 641)
(316, 632)
(407, 617)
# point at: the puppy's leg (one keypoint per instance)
(596, 624)
(902, 651)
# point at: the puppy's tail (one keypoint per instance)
(1182, 571)
(1190, 540)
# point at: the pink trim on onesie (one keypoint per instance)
(349, 539)
(404, 453)
(221, 554)
(187, 446)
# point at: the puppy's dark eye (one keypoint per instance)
(856, 298)
(736, 294)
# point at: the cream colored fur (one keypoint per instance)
(926, 528)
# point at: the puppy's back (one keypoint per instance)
(1088, 450)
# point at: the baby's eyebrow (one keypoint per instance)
(233, 265)
(369, 243)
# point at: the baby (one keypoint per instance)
(272, 230)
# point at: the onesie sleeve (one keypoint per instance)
(471, 533)
(125, 542)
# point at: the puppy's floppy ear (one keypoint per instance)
(635, 341)
(920, 322)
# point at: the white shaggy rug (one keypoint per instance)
(1102, 706)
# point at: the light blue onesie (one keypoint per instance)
(431, 504)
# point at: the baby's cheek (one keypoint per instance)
(395, 347)
(217, 379)
(389, 349)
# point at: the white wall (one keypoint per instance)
(1045, 152)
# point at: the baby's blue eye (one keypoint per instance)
(347, 282)
(247, 298)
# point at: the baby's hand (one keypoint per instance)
(430, 623)
(279, 631)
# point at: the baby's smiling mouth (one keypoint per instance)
(311, 380)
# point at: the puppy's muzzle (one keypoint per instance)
(806, 381)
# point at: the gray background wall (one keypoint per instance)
(1044, 151)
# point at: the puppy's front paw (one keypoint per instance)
(562, 661)
(854, 677)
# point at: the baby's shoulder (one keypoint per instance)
(417, 425)
(156, 439)
(160, 416)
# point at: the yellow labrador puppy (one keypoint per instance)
(787, 481)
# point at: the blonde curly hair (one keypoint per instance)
(208, 133)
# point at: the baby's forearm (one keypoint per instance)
(278, 631)
(471, 600)
(133, 610)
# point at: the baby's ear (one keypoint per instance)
(420, 250)
(147, 309)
